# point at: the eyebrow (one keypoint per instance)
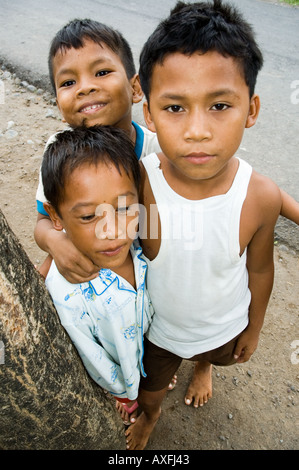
(225, 91)
(67, 71)
(213, 94)
(80, 205)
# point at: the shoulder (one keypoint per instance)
(263, 201)
(146, 196)
(265, 192)
(150, 142)
(52, 138)
(62, 291)
(260, 211)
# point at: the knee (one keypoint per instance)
(149, 401)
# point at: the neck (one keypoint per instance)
(133, 134)
(198, 189)
(126, 270)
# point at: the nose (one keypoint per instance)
(108, 227)
(198, 126)
(86, 86)
(105, 227)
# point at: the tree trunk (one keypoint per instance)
(47, 399)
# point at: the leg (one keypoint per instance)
(139, 432)
(200, 388)
(160, 366)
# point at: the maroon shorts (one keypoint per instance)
(160, 365)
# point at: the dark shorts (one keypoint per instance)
(160, 365)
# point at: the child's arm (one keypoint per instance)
(71, 264)
(260, 266)
(289, 207)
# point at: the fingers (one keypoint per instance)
(76, 274)
(76, 268)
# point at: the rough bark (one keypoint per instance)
(47, 400)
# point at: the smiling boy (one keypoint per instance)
(198, 72)
(93, 87)
(93, 75)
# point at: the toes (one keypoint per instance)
(133, 417)
(197, 400)
(188, 400)
(173, 382)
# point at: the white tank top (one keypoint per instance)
(198, 283)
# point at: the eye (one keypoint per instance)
(129, 211)
(102, 73)
(67, 83)
(123, 210)
(220, 107)
(174, 108)
(87, 218)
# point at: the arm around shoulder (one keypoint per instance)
(70, 262)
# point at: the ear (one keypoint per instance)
(136, 87)
(254, 109)
(148, 118)
(56, 220)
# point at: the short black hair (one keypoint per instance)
(202, 27)
(76, 31)
(93, 145)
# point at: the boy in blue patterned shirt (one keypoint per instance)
(91, 181)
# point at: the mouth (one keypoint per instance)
(199, 158)
(90, 108)
(112, 251)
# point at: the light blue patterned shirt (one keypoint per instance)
(106, 320)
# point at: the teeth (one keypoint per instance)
(94, 106)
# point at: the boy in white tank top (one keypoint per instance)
(198, 72)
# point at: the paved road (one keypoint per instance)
(27, 27)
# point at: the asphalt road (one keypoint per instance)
(271, 146)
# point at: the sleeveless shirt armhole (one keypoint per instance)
(243, 177)
(152, 166)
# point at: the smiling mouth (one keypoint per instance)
(91, 108)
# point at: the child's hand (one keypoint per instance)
(246, 345)
(71, 263)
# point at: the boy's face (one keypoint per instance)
(92, 86)
(199, 107)
(98, 213)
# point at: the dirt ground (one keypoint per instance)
(254, 404)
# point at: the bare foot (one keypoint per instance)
(125, 412)
(200, 388)
(172, 383)
(138, 433)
